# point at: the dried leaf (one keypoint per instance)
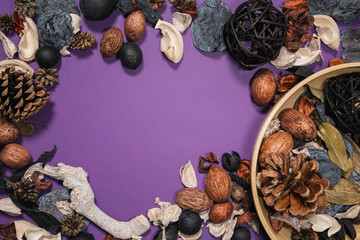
(8, 231)
(25, 128)
(356, 154)
(307, 105)
(336, 147)
(286, 83)
(319, 93)
(345, 192)
(188, 177)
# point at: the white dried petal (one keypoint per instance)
(17, 64)
(171, 43)
(37, 167)
(217, 230)
(273, 127)
(172, 213)
(305, 148)
(334, 228)
(229, 229)
(308, 221)
(322, 222)
(204, 215)
(188, 177)
(285, 59)
(181, 21)
(309, 54)
(351, 213)
(328, 31)
(9, 47)
(292, 221)
(64, 207)
(32, 232)
(75, 22)
(64, 51)
(29, 42)
(153, 215)
(7, 206)
(191, 237)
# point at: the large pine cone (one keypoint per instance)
(291, 185)
(20, 96)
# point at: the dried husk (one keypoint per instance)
(336, 147)
(8, 207)
(188, 177)
(9, 47)
(351, 213)
(322, 222)
(328, 31)
(181, 21)
(345, 192)
(29, 42)
(285, 59)
(309, 54)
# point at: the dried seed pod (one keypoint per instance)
(135, 26)
(220, 212)
(263, 87)
(218, 184)
(232, 162)
(189, 223)
(15, 155)
(193, 199)
(237, 192)
(188, 177)
(8, 132)
(280, 142)
(298, 124)
(111, 42)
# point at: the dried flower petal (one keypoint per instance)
(292, 4)
(188, 177)
(307, 105)
(210, 158)
(336, 61)
(244, 218)
(306, 37)
(351, 213)
(244, 170)
(286, 83)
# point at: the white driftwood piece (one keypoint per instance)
(83, 202)
(9, 47)
(7, 206)
(32, 232)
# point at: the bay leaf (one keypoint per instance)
(319, 93)
(25, 128)
(345, 192)
(336, 147)
(356, 154)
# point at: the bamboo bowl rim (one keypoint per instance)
(328, 72)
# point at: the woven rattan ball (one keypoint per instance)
(343, 101)
(255, 33)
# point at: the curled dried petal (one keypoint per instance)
(307, 105)
(244, 218)
(244, 170)
(306, 37)
(335, 61)
(210, 158)
(292, 4)
(286, 83)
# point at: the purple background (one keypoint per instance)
(133, 130)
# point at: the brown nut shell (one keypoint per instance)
(15, 156)
(220, 212)
(8, 132)
(135, 26)
(218, 184)
(193, 199)
(280, 142)
(263, 87)
(298, 124)
(111, 42)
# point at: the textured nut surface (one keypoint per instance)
(221, 212)
(193, 199)
(218, 184)
(15, 155)
(111, 42)
(135, 26)
(280, 142)
(298, 124)
(8, 132)
(263, 87)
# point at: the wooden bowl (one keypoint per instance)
(316, 80)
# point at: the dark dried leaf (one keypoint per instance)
(210, 158)
(84, 236)
(348, 227)
(232, 162)
(8, 231)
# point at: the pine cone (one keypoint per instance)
(21, 97)
(7, 24)
(291, 186)
(72, 224)
(46, 76)
(26, 190)
(83, 41)
(157, 3)
(183, 4)
(26, 8)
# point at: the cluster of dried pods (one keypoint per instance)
(308, 171)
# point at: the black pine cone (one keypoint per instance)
(72, 224)
(7, 24)
(20, 96)
(26, 190)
